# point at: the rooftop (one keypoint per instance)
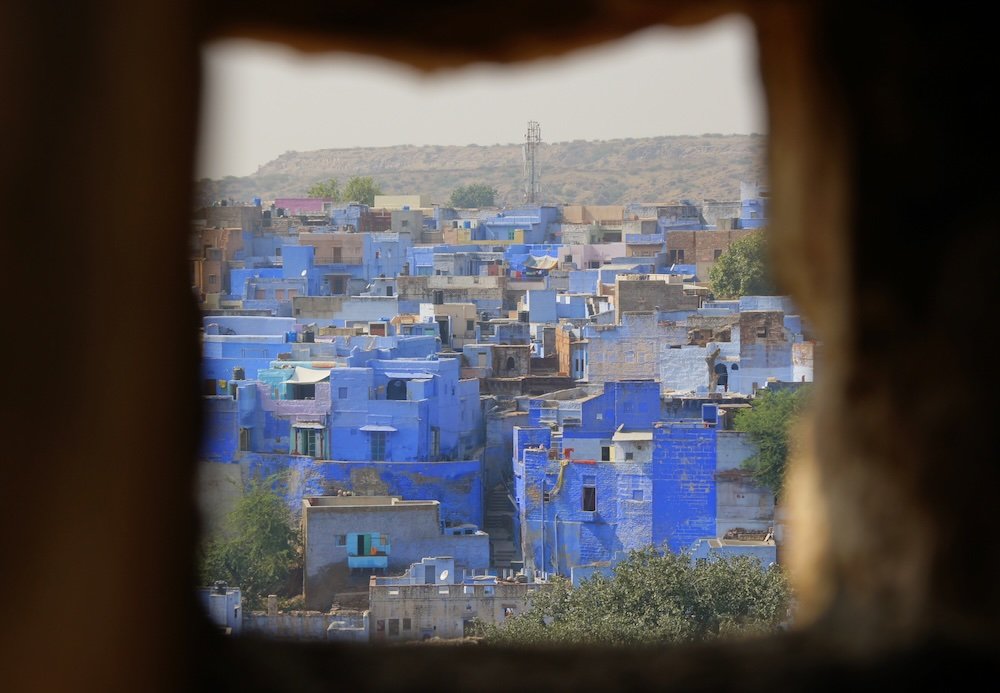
(362, 501)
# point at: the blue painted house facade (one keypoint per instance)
(595, 476)
(410, 427)
(536, 223)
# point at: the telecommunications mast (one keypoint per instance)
(531, 141)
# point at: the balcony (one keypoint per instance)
(368, 562)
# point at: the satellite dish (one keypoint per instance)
(303, 273)
(444, 575)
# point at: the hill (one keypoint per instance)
(650, 169)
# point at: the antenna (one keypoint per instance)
(531, 141)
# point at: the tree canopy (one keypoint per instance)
(770, 421)
(259, 548)
(361, 189)
(654, 597)
(328, 189)
(473, 195)
(743, 270)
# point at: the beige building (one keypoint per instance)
(652, 292)
(456, 322)
(430, 601)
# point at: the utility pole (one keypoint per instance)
(531, 141)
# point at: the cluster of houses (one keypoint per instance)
(465, 402)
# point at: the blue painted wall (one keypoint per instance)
(220, 429)
(782, 303)
(239, 277)
(571, 307)
(541, 305)
(535, 221)
(421, 261)
(583, 281)
(457, 485)
(684, 504)
(248, 324)
(665, 494)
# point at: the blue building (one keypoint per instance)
(236, 347)
(360, 424)
(753, 205)
(594, 476)
(534, 223)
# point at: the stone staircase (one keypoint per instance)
(499, 524)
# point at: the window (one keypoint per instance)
(393, 626)
(718, 253)
(244, 439)
(378, 445)
(637, 494)
(407, 624)
(302, 391)
(589, 499)
(470, 325)
(340, 540)
(309, 442)
(629, 455)
(605, 453)
(404, 223)
(341, 393)
(435, 441)
(677, 255)
(762, 331)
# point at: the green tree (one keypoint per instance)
(361, 189)
(473, 195)
(743, 270)
(329, 189)
(260, 546)
(770, 421)
(653, 597)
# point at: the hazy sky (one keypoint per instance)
(261, 100)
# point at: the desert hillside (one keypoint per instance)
(652, 169)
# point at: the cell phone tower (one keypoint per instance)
(531, 141)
